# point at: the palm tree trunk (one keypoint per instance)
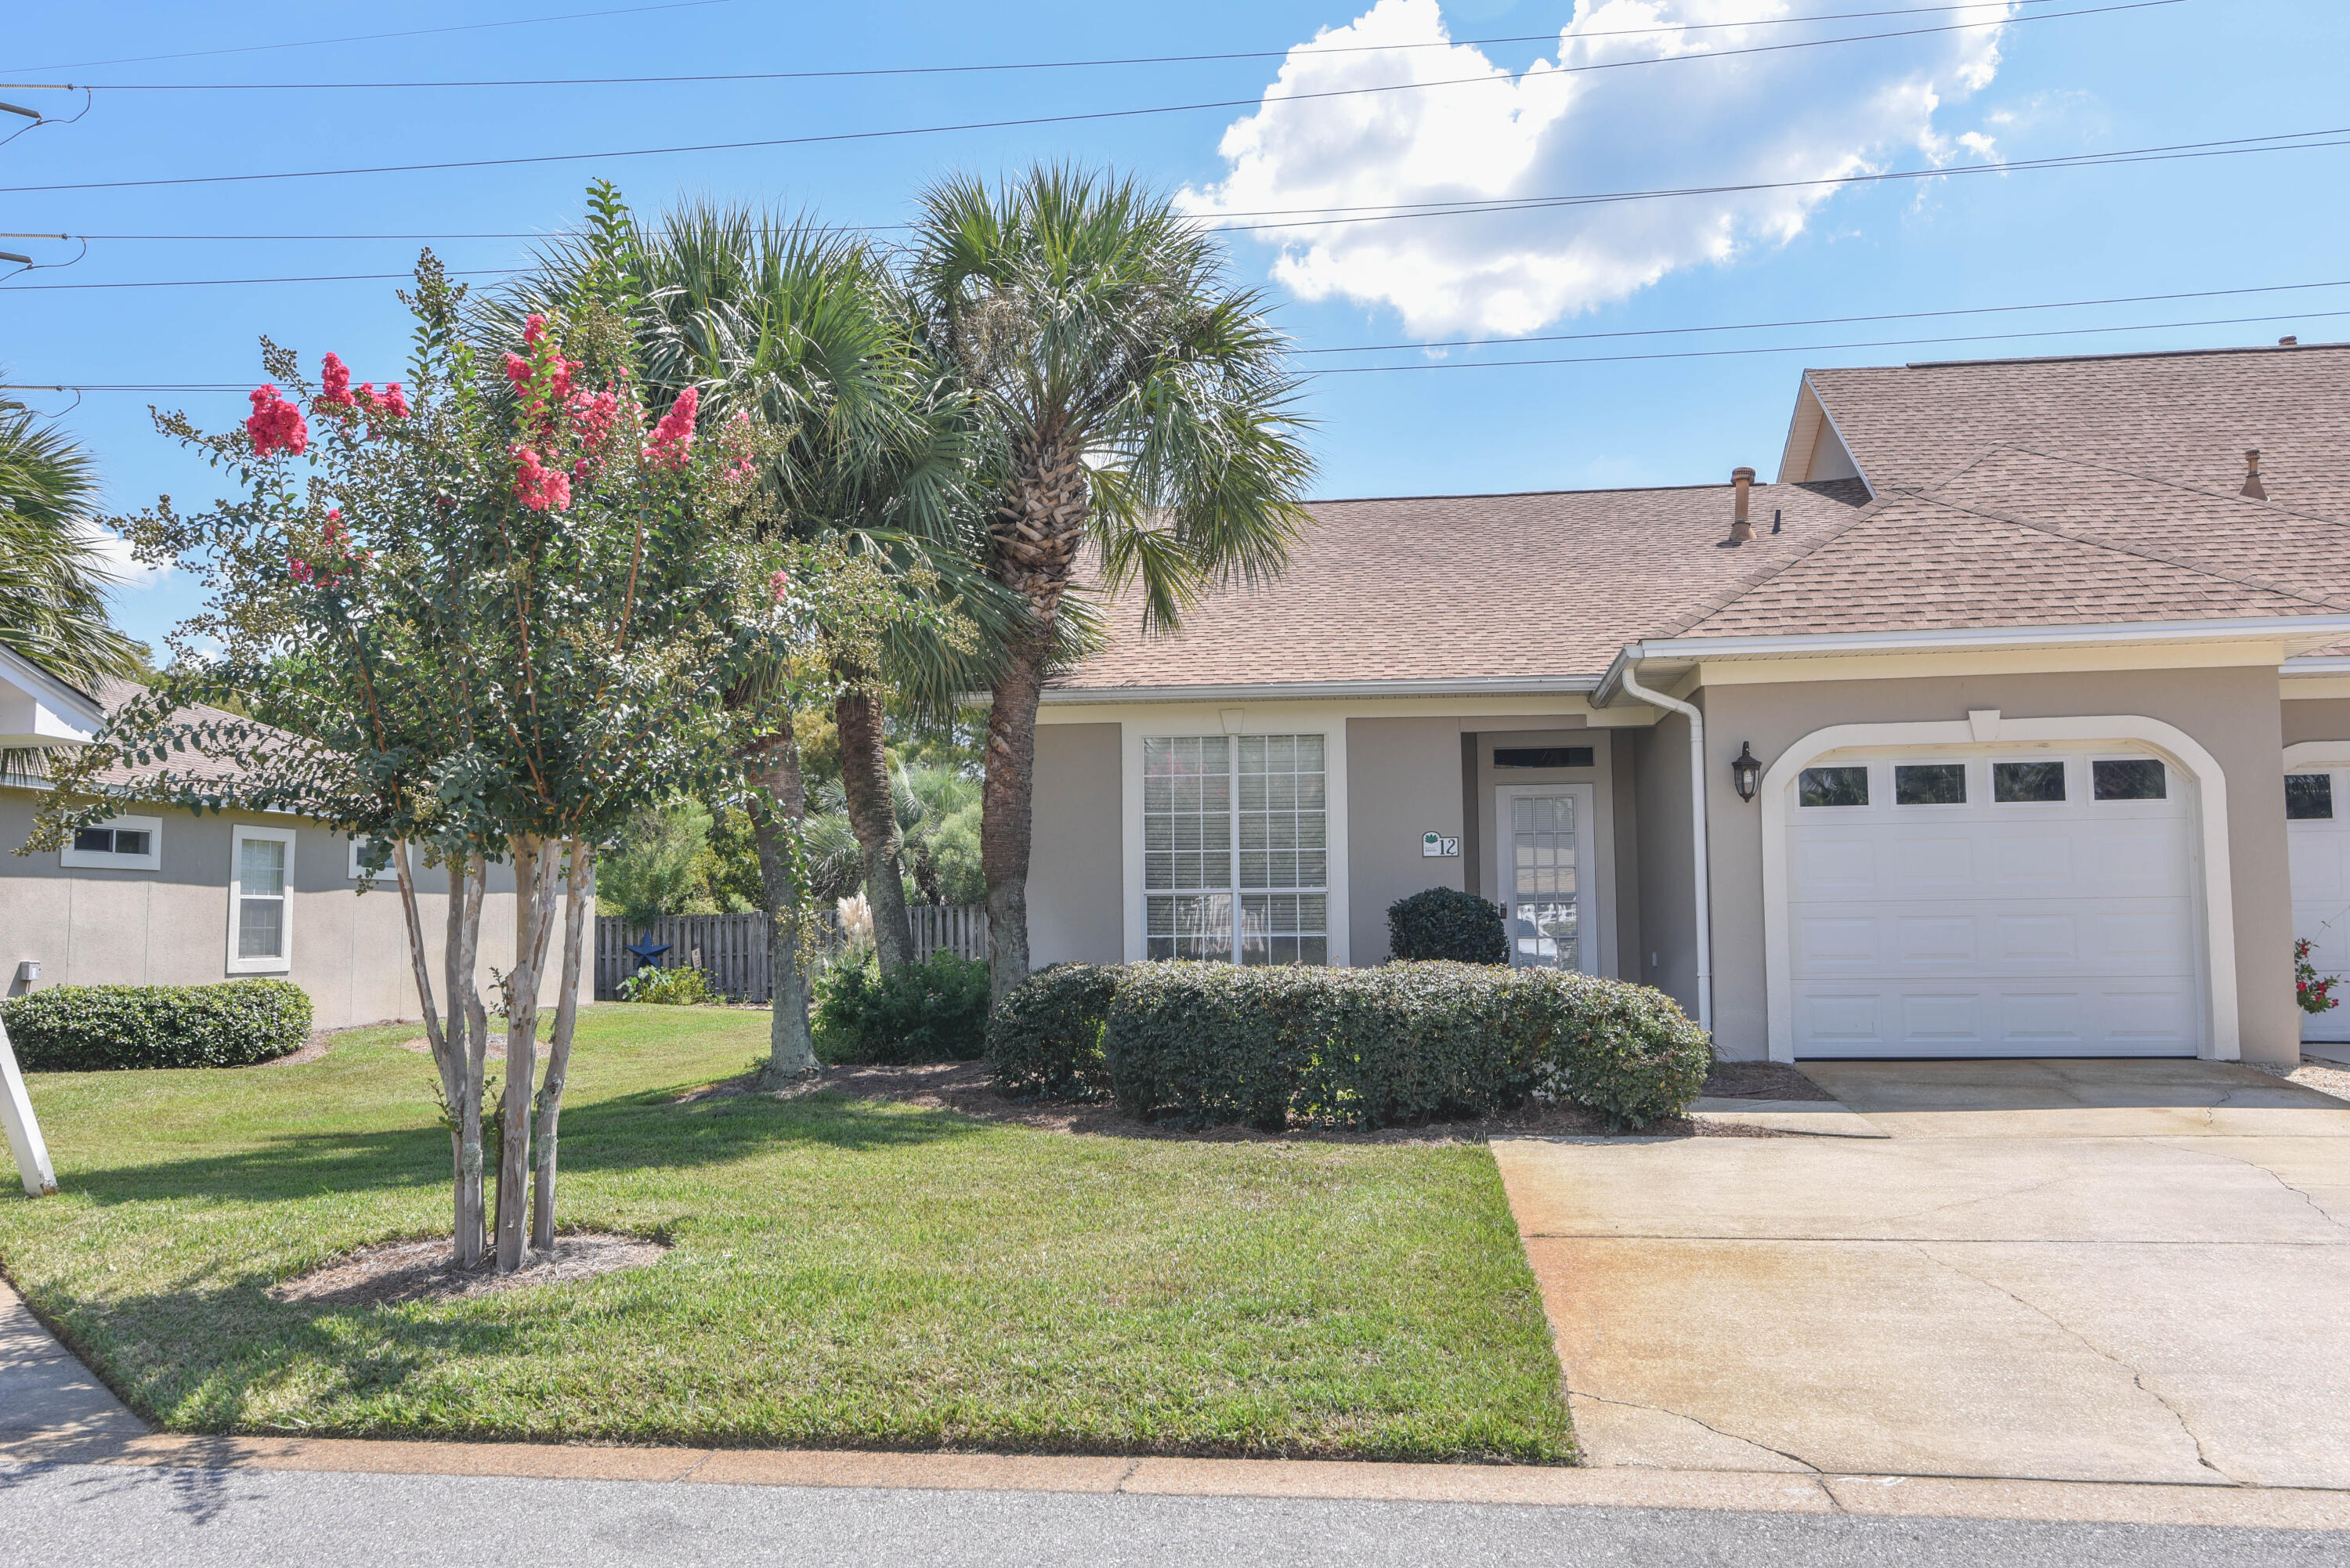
(873, 814)
(776, 812)
(1007, 810)
(1033, 541)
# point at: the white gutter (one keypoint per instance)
(1624, 677)
(2320, 629)
(2330, 666)
(1278, 692)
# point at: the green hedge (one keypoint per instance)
(1447, 923)
(96, 1028)
(930, 1011)
(1045, 1041)
(1206, 1043)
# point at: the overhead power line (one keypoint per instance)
(1308, 217)
(1018, 124)
(1308, 50)
(368, 37)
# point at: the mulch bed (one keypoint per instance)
(1761, 1081)
(963, 1087)
(391, 1272)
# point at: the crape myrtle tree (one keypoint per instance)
(1140, 406)
(808, 326)
(491, 615)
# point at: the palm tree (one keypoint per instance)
(1143, 408)
(53, 582)
(802, 327)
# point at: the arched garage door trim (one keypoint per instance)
(2329, 754)
(2222, 1040)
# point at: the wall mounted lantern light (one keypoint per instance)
(1746, 771)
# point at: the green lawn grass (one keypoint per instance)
(844, 1272)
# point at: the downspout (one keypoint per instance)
(1628, 682)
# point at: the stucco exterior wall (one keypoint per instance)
(2316, 718)
(169, 927)
(2232, 713)
(1403, 780)
(1665, 951)
(1076, 903)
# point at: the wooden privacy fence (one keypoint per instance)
(732, 948)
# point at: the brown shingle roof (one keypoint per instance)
(1546, 585)
(2182, 418)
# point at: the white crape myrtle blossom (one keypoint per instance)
(1551, 131)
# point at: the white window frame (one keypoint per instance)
(358, 873)
(279, 963)
(1184, 724)
(92, 860)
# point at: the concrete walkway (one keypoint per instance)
(2118, 1271)
(45, 1392)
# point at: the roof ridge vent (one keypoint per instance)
(2253, 486)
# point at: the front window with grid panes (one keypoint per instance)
(1241, 818)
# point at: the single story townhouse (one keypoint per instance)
(2013, 718)
(157, 895)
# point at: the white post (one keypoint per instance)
(23, 1132)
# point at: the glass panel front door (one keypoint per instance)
(1544, 833)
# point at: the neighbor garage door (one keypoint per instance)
(2317, 836)
(1993, 903)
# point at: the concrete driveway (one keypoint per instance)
(2086, 1270)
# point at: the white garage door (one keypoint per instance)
(1991, 902)
(2317, 834)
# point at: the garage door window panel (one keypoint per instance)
(2308, 797)
(2127, 778)
(2028, 784)
(1844, 786)
(1929, 784)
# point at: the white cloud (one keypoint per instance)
(1794, 114)
(114, 551)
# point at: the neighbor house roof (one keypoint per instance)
(2028, 494)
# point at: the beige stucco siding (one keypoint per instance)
(1666, 947)
(1403, 781)
(2232, 713)
(1076, 909)
(2316, 718)
(169, 926)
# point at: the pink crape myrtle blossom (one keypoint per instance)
(334, 384)
(276, 425)
(337, 559)
(537, 486)
(781, 582)
(672, 442)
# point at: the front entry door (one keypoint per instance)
(1544, 836)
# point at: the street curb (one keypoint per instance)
(1747, 1491)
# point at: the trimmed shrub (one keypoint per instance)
(1204, 1044)
(1445, 923)
(930, 1011)
(1045, 1041)
(680, 987)
(98, 1028)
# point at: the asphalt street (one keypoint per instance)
(92, 1515)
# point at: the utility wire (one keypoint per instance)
(372, 37)
(1027, 121)
(1309, 50)
(1297, 217)
(1477, 364)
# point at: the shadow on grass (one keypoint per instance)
(643, 1132)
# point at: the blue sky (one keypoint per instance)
(1501, 123)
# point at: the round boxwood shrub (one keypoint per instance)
(935, 1011)
(1045, 1041)
(1446, 924)
(1205, 1043)
(96, 1028)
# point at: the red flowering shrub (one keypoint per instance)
(276, 424)
(537, 486)
(334, 385)
(672, 442)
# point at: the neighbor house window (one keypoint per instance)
(123, 844)
(2014, 783)
(2308, 797)
(1236, 826)
(1833, 787)
(361, 846)
(1929, 784)
(2129, 778)
(260, 899)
